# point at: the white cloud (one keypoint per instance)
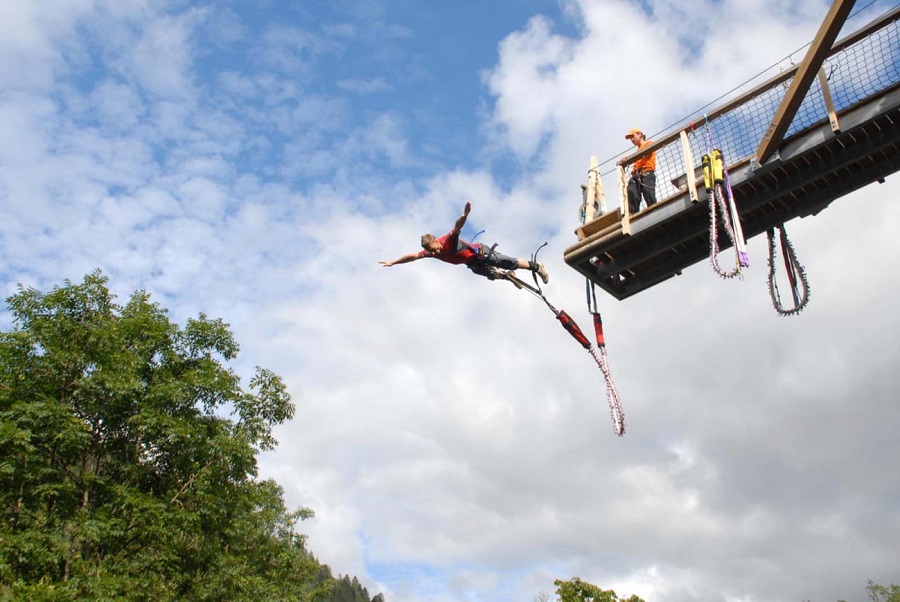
(524, 84)
(34, 42)
(160, 60)
(454, 442)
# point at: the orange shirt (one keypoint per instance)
(646, 163)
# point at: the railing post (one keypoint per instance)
(598, 185)
(690, 176)
(590, 192)
(623, 193)
(829, 103)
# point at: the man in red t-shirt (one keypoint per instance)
(643, 174)
(482, 260)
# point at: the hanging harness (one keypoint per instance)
(796, 274)
(718, 189)
(615, 404)
(479, 263)
(477, 249)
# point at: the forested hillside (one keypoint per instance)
(128, 466)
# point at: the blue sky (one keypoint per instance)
(254, 161)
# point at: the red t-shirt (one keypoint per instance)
(453, 250)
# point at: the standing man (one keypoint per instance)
(482, 260)
(643, 174)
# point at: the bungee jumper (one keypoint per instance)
(485, 261)
(482, 260)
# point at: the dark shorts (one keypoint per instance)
(486, 266)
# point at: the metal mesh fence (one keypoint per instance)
(858, 71)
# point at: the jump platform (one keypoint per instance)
(829, 153)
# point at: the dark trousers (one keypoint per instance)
(641, 185)
(488, 264)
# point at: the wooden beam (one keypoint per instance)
(829, 103)
(623, 197)
(608, 221)
(809, 68)
(590, 191)
(598, 186)
(690, 176)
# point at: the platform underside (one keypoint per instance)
(809, 171)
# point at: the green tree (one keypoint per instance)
(128, 458)
(347, 590)
(881, 593)
(576, 590)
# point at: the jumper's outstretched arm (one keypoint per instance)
(404, 259)
(457, 227)
(461, 221)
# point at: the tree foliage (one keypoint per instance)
(347, 589)
(128, 458)
(882, 593)
(576, 590)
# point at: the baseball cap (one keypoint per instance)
(632, 132)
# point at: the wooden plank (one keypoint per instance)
(623, 188)
(812, 62)
(829, 103)
(689, 166)
(601, 198)
(590, 192)
(600, 223)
